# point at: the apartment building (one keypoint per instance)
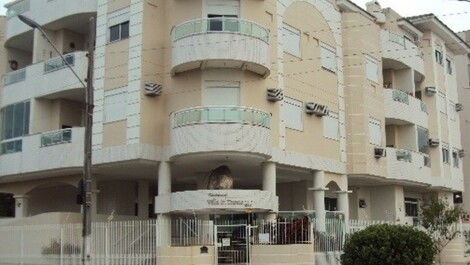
(463, 84)
(229, 109)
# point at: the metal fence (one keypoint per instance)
(137, 241)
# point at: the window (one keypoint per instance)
(455, 158)
(331, 126)
(15, 120)
(442, 103)
(291, 37)
(445, 154)
(293, 114)
(372, 69)
(411, 207)
(221, 93)
(225, 7)
(452, 112)
(119, 32)
(331, 204)
(438, 56)
(328, 58)
(449, 66)
(375, 132)
(423, 140)
(115, 104)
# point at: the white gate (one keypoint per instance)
(232, 244)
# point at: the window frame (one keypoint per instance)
(335, 117)
(26, 119)
(368, 61)
(108, 95)
(120, 31)
(324, 60)
(445, 154)
(442, 103)
(378, 123)
(449, 68)
(414, 203)
(296, 32)
(298, 104)
(439, 57)
(455, 159)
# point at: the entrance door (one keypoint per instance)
(232, 244)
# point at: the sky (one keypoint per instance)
(456, 14)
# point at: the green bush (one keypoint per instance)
(388, 245)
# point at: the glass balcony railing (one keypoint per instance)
(204, 115)
(14, 77)
(401, 96)
(404, 155)
(18, 8)
(11, 146)
(396, 38)
(57, 63)
(222, 24)
(56, 137)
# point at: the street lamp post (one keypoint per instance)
(87, 161)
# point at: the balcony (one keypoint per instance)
(56, 150)
(400, 49)
(228, 129)
(401, 108)
(405, 165)
(50, 79)
(220, 43)
(72, 14)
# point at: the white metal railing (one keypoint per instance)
(358, 225)
(18, 8)
(282, 232)
(56, 137)
(221, 24)
(405, 43)
(57, 63)
(14, 77)
(400, 96)
(229, 114)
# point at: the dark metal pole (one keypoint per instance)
(87, 163)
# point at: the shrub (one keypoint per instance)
(388, 245)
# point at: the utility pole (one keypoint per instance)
(87, 163)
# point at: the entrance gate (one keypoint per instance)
(232, 244)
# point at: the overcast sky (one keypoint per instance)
(456, 14)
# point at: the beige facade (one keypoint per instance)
(314, 106)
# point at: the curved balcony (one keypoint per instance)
(401, 108)
(217, 201)
(400, 49)
(49, 151)
(405, 165)
(224, 130)
(49, 79)
(221, 43)
(71, 14)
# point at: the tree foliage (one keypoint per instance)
(389, 245)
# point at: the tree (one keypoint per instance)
(389, 245)
(440, 222)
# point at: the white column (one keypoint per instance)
(143, 199)
(319, 199)
(269, 183)
(164, 188)
(343, 198)
(21, 206)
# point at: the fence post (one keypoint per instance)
(106, 244)
(22, 245)
(61, 245)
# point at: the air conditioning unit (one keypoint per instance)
(434, 142)
(316, 109)
(275, 94)
(152, 89)
(458, 107)
(461, 153)
(430, 90)
(380, 152)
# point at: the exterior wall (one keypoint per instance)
(282, 254)
(185, 255)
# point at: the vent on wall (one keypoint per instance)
(461, 153)
(316, 109)
(430, 90)
(380, 152)
(274, 94)
(458, 107)
(152, 89)
(434, 142)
